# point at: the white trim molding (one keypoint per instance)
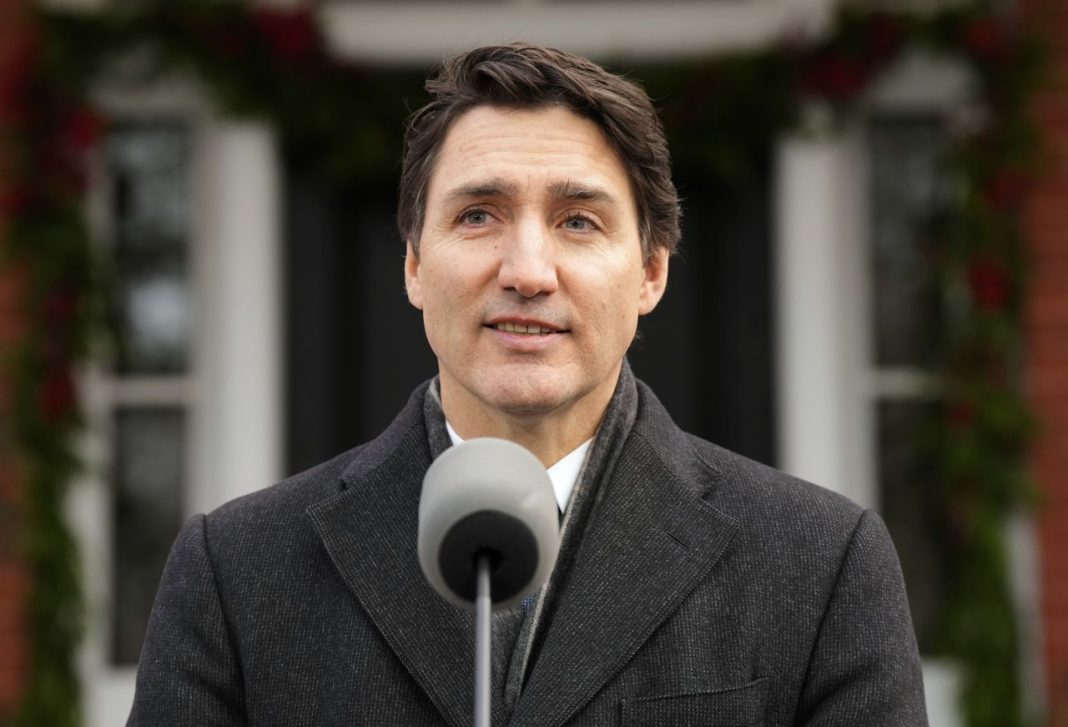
(820, 309)
(425, 32)
(239, 406)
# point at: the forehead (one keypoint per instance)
(533, 150)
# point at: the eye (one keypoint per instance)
(579, 223)
(474, 216)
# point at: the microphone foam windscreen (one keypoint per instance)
(487, 497)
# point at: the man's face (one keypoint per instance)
(530, 273)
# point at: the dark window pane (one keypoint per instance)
(910, 498)
(147, 513)
(907, 194)
(707, 350)
(149, 166)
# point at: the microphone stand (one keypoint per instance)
(482, 641)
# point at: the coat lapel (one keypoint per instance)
(649, 541)
(370, 532)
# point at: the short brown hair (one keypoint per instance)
(520, 75)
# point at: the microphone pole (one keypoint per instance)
(483, 606)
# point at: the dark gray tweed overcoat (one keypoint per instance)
(707, 590)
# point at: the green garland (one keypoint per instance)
(982, 437)
(48, 249)
(271, 64)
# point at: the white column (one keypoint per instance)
(821, 309)
(239, 373)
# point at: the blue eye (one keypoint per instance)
(578, 223)
(474, 217)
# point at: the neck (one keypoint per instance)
(549, 434)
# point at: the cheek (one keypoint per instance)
(439, 283)
(621, 304)
(436, 322)
(616, 284)
(454, 271)
(444, 298)
(613, 313)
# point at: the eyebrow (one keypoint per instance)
(498, 187)
(577, 192)
(492, 188)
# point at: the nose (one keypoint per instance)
(528, 264)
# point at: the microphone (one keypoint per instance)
(487, 500)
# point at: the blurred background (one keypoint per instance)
(201, 289)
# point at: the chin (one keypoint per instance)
(524, 403)
(524, 395)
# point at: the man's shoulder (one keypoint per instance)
(293, 496)
(287, 500)
(781, 524)
(752, 490)
(761, 500)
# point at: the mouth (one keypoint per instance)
(523, 330)
(524, 327)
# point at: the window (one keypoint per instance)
(907, 192)
(147, 191)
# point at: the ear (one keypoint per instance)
(411, 277)
(655, 281)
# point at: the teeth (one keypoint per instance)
(529, 330)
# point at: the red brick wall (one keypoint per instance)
(14, 34)
(1047, 354)
(12, 575)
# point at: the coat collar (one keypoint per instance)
(650, 539)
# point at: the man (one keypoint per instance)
(692, 587)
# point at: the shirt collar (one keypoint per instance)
(563, 474)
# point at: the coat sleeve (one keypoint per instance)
(865, 666)
(189, 672)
